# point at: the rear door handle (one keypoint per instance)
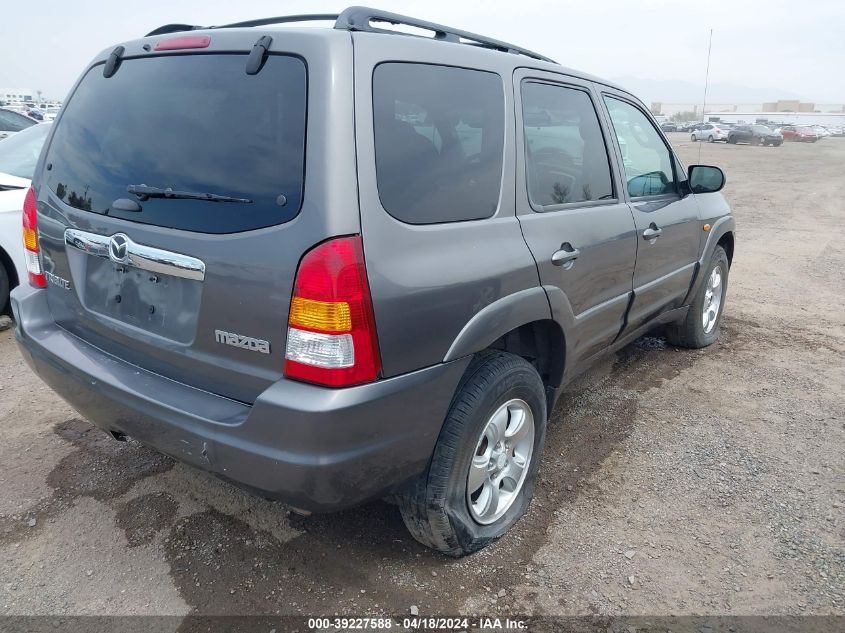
(652, 232)
(565, 255)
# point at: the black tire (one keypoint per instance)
(778, 144)
(4, 288)
(693, 138)
(710, 139)
(435, 509)
(690, 332)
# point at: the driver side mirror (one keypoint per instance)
(705, 178)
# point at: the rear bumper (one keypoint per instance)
(315, 448)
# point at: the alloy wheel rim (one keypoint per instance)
(712, 300)
(500, 462)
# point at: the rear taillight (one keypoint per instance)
(32, 252)
(331, 328)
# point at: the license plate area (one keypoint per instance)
(158, 303)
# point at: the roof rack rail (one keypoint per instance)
(361, 19)
(282, 19)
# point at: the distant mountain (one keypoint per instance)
(679, 91)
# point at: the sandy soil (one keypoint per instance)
(676, 482)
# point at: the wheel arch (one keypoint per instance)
(11, 271)
(726, 241)
(521, 324)
(542, 343)
(721, 234)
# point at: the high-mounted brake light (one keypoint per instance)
(186, 41)
(32, 251)
(331, 328)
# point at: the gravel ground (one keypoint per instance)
(674, 481)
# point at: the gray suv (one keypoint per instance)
(339, 264)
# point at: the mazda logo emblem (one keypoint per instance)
(118, 248)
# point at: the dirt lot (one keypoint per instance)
(674, 481)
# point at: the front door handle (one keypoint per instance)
(566, 255)
(652, 232)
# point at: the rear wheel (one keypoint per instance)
(693, 138)
(481, 477)
(4, 288)
(710, 139)
(700, 327)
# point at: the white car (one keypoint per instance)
(711, 132)
(821, 131)
(18, 156)
(12, 122)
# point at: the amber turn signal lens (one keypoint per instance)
(324, 316)
(706, 227)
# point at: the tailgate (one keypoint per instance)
(171, 205)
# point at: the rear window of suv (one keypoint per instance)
(439, 141)
(191, 123)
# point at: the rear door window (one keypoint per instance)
(191, 123)
(439, 141)
(566, 157)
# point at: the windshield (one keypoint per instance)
(194, 123)
(763, 129)
(19, 153)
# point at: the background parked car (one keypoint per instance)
(35, 113)
(821, 131)
(668, 126)
(18, 156)
(836, 130)
(799, 133)
(12, 122)
(711, 132)
(755, 134)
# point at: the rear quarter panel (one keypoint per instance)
(428, 281)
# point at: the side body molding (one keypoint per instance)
(499, 318)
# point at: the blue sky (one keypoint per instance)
(782, 48)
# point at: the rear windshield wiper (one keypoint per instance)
(144, 192)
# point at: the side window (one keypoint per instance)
(439, 141)
(565, 154)
(647, 160)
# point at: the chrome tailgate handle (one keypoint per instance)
(122, 250)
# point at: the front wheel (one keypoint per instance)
(700, 327)
(710, 139)
(481, 477)
(693, 138)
